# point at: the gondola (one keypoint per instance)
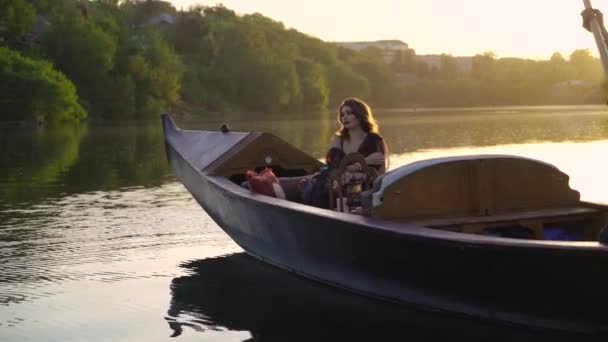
(491, 237)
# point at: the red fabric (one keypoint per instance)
(262, 183)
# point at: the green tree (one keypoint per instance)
(33, 90)
(139, 12)
(584, 64)
(313, 83)
(343, 83)
(404, 61)
(314, 49)
(250, 61)
(449, 67)
(110, 3)
(556, 69)
(483, 66)
(557, 58)
(42, 6)
(422, 69)
(16, 19)
(371, 65)
(81, 50)
(152, 72)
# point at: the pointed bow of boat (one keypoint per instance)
(199, 148)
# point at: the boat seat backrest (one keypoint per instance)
(260, 150)
(478, 185)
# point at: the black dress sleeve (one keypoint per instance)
(373, 143)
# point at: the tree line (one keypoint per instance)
(63, 59)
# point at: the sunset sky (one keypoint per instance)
(514, 28)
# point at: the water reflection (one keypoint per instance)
(34, 159)
(409, 130)
(104, 236)
(118, 156)
(49, 162)
(448, 130)
(237, 292)
(41, 163)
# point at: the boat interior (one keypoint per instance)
(498, 195)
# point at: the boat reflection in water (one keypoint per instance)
(237, 292)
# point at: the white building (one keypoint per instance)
(465, 63)
(161, 19)
(388, 47)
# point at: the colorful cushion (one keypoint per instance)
(265, 183)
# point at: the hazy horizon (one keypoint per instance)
(462, 28)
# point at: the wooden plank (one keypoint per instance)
(518, 216)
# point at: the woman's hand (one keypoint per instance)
(375, 158)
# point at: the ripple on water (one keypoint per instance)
(104, 237)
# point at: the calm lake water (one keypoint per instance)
(98, 242)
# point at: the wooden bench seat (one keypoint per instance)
(573, 213)
(500, 195)
(532, 219)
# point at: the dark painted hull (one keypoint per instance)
(533, 283)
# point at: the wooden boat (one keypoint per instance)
(434, 237)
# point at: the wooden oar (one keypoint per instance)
(599, 39)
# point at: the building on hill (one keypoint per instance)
(388, 47)
(381, 44)
(161, 19)
(465, 63)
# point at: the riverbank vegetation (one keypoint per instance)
(34, 89)
(136, 58)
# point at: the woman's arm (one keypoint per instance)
(379, 157)
(376, 158)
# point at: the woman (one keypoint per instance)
(358, 132)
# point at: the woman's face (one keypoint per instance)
(349, 118)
